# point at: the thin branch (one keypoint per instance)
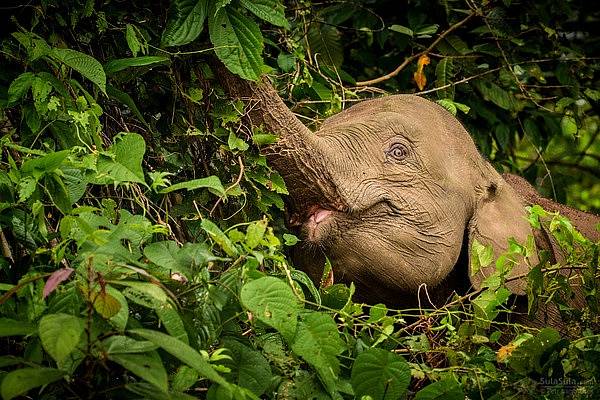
(417, 55)
(234, 184)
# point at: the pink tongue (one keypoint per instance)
(321, 214)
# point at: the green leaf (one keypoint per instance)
(11, 327)
(402, 29)
(318, 342)
(447, 389)
(444, 72)
(219, 237)
(20, 381)
(273, 302)
(48, 163)
(183, 352)
(236, 143)
(287, 63)
(568, 125)
(119, 320)
(255, 232)
(494, 93)
(210, 182)
(290, 239)
(125, 163)
(132, 41)
(60, 334)
(106, 305)
(147, 366)
(19, 87)
(184, 378)
(325, 44)
(119, 344)
(127, 100)
(172, 322)
(123, 63)
(238, 42)
(271, 11)
(185, 23)
(380, 374)
(530, 355)
(481, 257)
(249, 368)
(86, 65)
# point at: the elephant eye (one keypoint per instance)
(397, 151)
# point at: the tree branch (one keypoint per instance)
(417, 55)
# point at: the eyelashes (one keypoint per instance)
(397, 152)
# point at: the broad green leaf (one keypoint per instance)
(444, 72)
(172, 321)
(486, 305)
(271, 11)
(380, 374)
(183, 352)
(568, 125)
(249, 368)
(318, 342)
(529, 356)
(235, 143)
(119, 320)
(402, 29)
(153, 294)
(184, 378)
(48, 163)
(11, 327)
(123, 63)
(210, 182)
(255, 232)
(19, 87)
(132, 41)
(238, 42)
(106, 305)
(119, 344)
(481, 257)
(219, 237)
(494, 93)
(60, 334)
(290, 240)
(287, 63)
(446, 389)
(273, 302)
(169, 256)
(147, 366)
(185, 22)
(86, 65)
(20, 381)
(125, 162)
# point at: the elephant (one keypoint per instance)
(393, 191)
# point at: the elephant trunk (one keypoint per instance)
(296, 154)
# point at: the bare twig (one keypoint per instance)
(234, 184)
(410, 59)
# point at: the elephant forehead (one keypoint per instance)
(379, 127)
(408, 115)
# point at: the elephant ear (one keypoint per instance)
(499, 215)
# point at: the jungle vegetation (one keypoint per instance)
(144, 250)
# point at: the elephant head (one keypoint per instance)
(393, 191)
(411, 192)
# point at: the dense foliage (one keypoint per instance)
(143, 248)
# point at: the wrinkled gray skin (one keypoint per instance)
(412, 189)
(393, 191)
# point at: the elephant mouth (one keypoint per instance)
(315, 221)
